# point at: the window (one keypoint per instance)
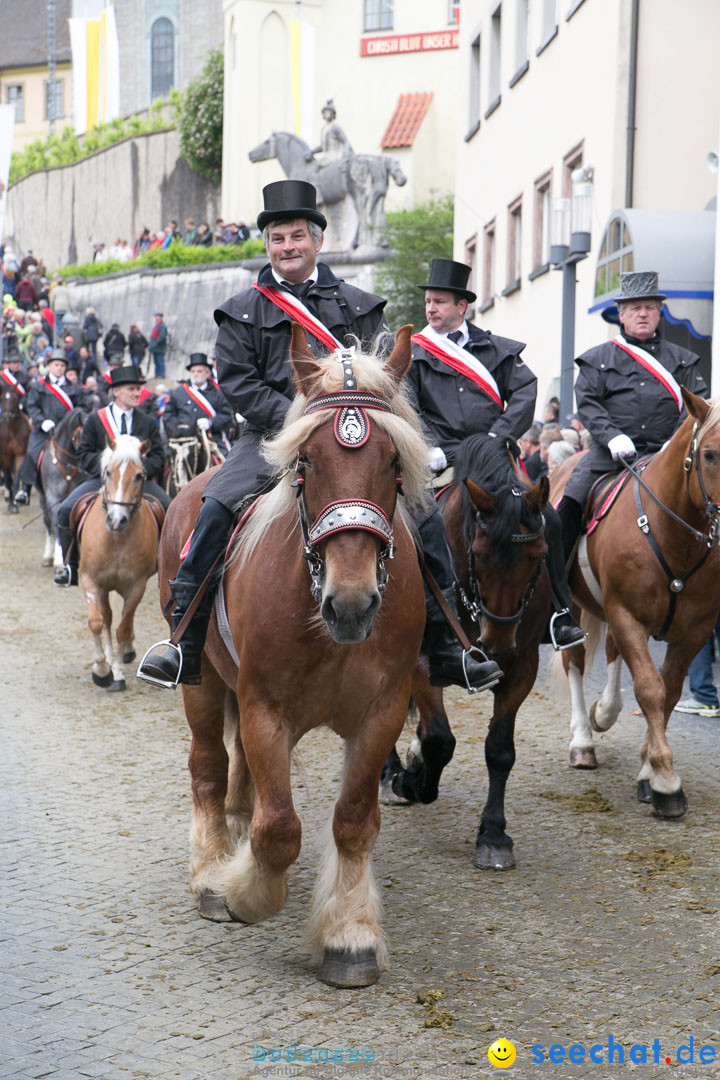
(14, 96)
(549, 18)
(541, 230)
(471, 260)
(495, 54)
(615, 258)
(521, 34)
(162, 63)
(514, 246)
(571, 161)
(488, 286)
(54, 104)
(379, 14)
(452, 15)
(474, 103)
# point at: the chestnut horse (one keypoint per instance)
(334, 647)
(118, 553)
(650, 567)
(14, 435)
(496, 532)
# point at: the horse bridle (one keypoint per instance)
(474, 603)
(134, 505)
(351, 429)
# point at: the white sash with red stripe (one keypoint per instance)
(12, 381)
(200, 400)
(108, 421)
(59, 394)
(653, 366)
(460, 360)
(290, 304)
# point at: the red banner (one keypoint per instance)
(392, 44)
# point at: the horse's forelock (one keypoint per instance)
(127, 448)
(712, 420)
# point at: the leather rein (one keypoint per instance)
(676, 583)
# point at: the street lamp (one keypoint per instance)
(572, 223)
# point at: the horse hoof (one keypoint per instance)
(583, 757)
(13, 509)
(119, 684)
(644, 791)
(102, 680)
(670, 806)
(47, 562)
(494, 858)
(388, 797)
(128, 657)
(346, 969)
(213, 907)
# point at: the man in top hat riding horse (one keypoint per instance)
(198, 404)
(252, 347)
(120, 417)
(467, 381)
(628, 394)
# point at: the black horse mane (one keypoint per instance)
(486, 461)
(63, 431)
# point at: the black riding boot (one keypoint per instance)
(564, 631)
(67, 574)
(449, 663)
(570, 514)
(182, 663)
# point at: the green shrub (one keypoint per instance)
(200, 119)
(176, 255)
(415, 238)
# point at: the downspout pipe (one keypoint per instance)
(632, 103)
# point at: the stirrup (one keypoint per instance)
(166, 683)
(553, 641)
(479, 655)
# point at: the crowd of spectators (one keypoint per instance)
(192, 235)
(546, 444)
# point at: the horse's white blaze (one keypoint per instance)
(116, 513)
(580, 730)
(608, 707)
(346, 906)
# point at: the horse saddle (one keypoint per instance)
(603, 495)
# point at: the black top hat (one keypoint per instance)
(123, 375)
(198, 358)
(639, 285)
(58, 354)
(286, 200)
(449, 276)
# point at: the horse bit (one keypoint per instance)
(352, 430)
(474, 603)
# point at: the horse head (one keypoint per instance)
(10, 404)
(265, 151)
(505, 532)
(122, 471)
(701, 461)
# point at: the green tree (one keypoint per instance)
(415, 238)
(201, 119)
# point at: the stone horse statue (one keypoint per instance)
(363, 178)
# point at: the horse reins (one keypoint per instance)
(676, 583)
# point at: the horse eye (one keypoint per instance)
(710, 457)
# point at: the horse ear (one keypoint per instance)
(144, 447)
(110, 443)
(304, 365)
(399, 361)
(536, 498)
(479, 497)
(695, 405)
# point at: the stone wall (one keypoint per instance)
(187, 298)
(60, 213)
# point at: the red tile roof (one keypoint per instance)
(406, 120)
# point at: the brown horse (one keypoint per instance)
(336, 647)
(650, 567)
(495, 529)
(118, 553)
(14, 435)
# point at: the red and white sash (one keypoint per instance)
(108, 421)
(12, 381)
(107, 377)
(653, 366)
(290, 304)
(460, 360)
(200, 400)
(59, 394)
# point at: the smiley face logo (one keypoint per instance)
(502, 1054)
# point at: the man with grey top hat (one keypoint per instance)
(254, 373)
(627, 394)
(49, 400)
(121, 417)
(467, 381)
(198, 404)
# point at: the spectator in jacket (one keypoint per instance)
(190, 235)
(156, 345)
(26, 295)
(91, 332)
(114, 343)
(137, 344)
(529, 444)
(204, 236)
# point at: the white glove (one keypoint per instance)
(203, 423)
(437, 460)
(622, 446)
(47, 425)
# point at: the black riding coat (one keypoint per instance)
(452, 406)
(182, 413)
(93, 442)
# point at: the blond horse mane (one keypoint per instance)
(401, 425)
(126, 449)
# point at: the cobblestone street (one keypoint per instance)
(607, 928)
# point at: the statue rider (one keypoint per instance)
(334, 143)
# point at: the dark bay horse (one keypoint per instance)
(325, 607)
(58, 474)
(650, 567)
(14, 435)
(495, 529)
